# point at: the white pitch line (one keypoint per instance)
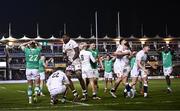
(167, 101)
(43, 107)
(79, 103)
(20, 91)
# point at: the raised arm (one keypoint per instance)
(22, 46)
(120, 53)
(101, 62)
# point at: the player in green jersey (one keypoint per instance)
(167, 65)
(42, 66)
(95, 53)
(32, 51)
(107, 65)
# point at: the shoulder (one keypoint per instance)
(72, 41)
(26, 49)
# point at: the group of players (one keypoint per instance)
(83, 61)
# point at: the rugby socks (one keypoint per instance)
(112, 90)
(29, 91)
(145, 90)
(84, 92)
(128, 88)
(74, 92)
(36, 90)
(94, 94)
(125, 90)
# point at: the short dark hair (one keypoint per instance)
(145, 45)
(121, 40)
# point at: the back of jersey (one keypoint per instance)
(57, 79)
(85, 58)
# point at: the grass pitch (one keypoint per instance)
(13, 97)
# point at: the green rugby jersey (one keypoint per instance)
(167, 59)
(132, 62)
(32, 57)
(108, 65)
(95, 54)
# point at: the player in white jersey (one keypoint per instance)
(121, 65)
(57, 84)
(71, 57)
(139, 66)
(87, 71)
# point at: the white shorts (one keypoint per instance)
(96, 73)
(135, 72)
(118, 67)
(76, 65)
(167, 71)
(126, 70)
(108, 75)
(32, 74)
(55, 91)
(42, 75)
(87, 73)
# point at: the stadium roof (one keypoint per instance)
(52, 38)
(25, 38)
(39, 38)
(10, 38)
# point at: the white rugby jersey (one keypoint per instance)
(57, 79)
(141, 56)
(86, 57)
(68, 48)
(125, 58)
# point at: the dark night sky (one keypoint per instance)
(79, 14)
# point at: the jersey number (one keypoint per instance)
(82, 58)
(55, 75)
(33, 57)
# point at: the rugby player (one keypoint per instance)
(42, 66)
(57, 83)
(121, 65)
(139, 66)
(167, 65)
(95, 53)
(71, 57)
(87, 71)
(107, 65)
(32, 54)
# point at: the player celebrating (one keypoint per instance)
(121, 65)
(57, 84)
(139, 66)
(71, 56)
(86, 57)
(107, 65)
(167, 66)
(32, 64)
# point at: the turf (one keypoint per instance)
(13, 97)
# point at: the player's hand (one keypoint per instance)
(134, 52)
